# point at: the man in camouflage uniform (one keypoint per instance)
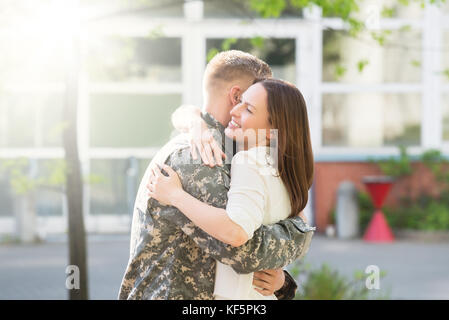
(171, 258)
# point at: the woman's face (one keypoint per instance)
(250, 117)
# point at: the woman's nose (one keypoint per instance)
(236, 110)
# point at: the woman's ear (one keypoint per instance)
(234, 95)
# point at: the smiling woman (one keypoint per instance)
(250, 113)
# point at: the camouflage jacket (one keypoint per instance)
(171, 258)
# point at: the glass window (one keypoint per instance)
(371, 120)
(278, 53)
(118, 59)
(43, 185)
(116, 184)
(19, 121)
(51, 121)
(31, 120)
(121, 120)
(445, 112)
(108, 195)
(49, 195)
(364, 60)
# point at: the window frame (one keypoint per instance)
(193, 30)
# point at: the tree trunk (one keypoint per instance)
(74, 186)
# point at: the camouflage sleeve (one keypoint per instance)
(272, 246)
(288, 290)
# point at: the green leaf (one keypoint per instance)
(355, 26)
(301, 3)
(257, 42)
(268, 8)
(396, 167)
(387, 12)
(381, 36)
(415, 63)
(212, 52)
(340, 71)
(227, 43)
(362, 64)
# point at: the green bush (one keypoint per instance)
(396, 167)
(438, 164)
(325, 283)
(366, 209)
(424, 213)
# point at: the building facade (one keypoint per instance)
(364, 99)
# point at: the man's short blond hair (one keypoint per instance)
(233, 65)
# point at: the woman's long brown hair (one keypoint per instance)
(288, 114)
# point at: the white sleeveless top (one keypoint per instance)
(256, 196)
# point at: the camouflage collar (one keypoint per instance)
(228, 144)
(212, 122)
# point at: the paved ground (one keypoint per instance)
(414, 270)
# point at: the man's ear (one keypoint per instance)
(234, 95)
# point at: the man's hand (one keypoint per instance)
(202, 141)
(268, 281)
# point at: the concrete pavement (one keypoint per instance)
(414, 270)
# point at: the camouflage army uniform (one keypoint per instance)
(171, 258)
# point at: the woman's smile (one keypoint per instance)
(233, 124)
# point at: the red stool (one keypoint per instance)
(378, 229)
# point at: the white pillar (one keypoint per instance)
(309, 53)
(431, 126)
(193, 54)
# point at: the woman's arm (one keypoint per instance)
(214, 221)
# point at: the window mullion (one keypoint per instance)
(431, 127)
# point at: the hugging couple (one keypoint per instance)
(204, 228)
